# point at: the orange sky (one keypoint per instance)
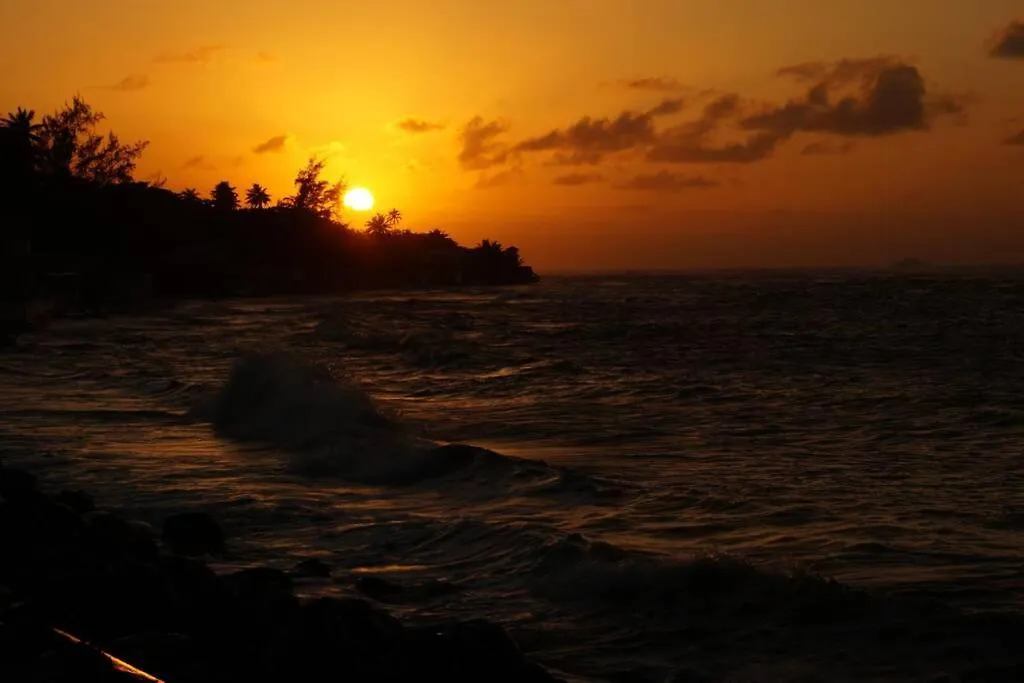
(893, 141)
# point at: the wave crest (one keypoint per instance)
(328, 425)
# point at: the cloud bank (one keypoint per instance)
(1008, 42)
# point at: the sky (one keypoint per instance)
(593, 134)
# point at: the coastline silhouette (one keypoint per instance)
(83, 233)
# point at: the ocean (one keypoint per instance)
(806, 475)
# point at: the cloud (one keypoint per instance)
(264, 57)
(690, 151)
(839, 72)
(480, 148)
(198, 162)
(274, 144)
(589, 140)
(1015, 140)
(876, 97)
(1008, 42)
(203, 54)
(690, 143)
(414, 125)
(848, 98)
(130, 83)
(574, 159)
(577, 179)
(329, 150)
(486, 182)
(824, 147)
(667, 108)
(653, 84)
(666, 181)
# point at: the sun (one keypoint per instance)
(359, 199)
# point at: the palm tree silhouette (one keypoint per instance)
(378, 225)
(257, 196)
(190, 194)
(393, 218)
(224, 196)
(21, 124)
(490, 246)
(20, 140)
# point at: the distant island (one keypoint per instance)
(75, 225)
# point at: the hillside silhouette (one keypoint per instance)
(76, 225)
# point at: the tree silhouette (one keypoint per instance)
(224, 196)
(488, 246)
(394, 217)
(21, 126)
(70, 147)
(190, 194)
(378, 225)
(439, 239)
(19, 138)
(314, 194)
(257, 196)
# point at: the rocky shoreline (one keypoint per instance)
(86, 595)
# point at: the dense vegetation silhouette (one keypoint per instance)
(70, 204)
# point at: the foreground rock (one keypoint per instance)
(107, 581)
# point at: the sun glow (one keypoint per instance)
(359, 199)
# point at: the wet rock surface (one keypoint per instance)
(67, 570)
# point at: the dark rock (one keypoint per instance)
(259, 580)
(79, 501)
(378, 588)
(103, 578)
(193, 533)
(264, 597)
(17, 486)
(313, 568)
(475, 650)
(343, 618)
(6, 598)
(117, 536)
(105, 599)
(197, 590)
(78, 662)
(57, 523)
(168, 656)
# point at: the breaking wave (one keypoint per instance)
(328, 425)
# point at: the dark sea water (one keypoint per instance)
(681, 456)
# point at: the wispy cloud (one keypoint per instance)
(1008, 42)
(488, 181)
(480, 147)
(264, 57)
(130, 83)
(1015, 140)
(577, 179)
(329, 150)
(590, 140)
(667, 182)
(846, 100)
(199, 162)
(274, 144)
(652, 84)
(203, 54)
(824, 148)
(414, 125)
